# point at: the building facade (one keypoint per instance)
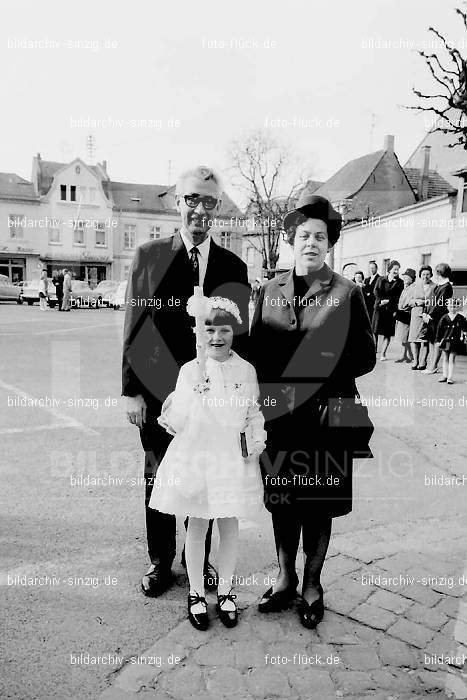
(72, 215)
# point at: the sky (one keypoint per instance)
(164, 86)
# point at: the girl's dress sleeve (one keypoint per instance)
(254, 421)
(176, 407)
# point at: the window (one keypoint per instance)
(15, 225)
(226, 240)
(386, 262)
(426, 259)
(54, 236)
(63, 193)
(100, 235)
(78, 234)
(129, 236)
(72, 193)
(154, 232)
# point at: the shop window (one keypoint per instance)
(15, 225)
(129, 236)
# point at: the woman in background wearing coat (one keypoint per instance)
(310, 338)
(403, 316)
(421, 292)
(387, 292)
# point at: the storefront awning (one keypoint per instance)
(77, 259)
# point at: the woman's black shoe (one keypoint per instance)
(229, 618)
(274, 602)
(200, 621)
(311, 614)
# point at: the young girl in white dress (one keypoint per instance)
(204, 474)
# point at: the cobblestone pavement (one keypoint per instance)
(395, 627)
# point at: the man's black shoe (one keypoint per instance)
(211, 578)
(156, 581)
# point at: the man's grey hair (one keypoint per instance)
(201, 172)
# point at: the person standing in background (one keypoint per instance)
(387, 292)
(66, 291)
(368, 288)
(435, 309)
(57, 279)
(43, 291)
(421, 292)
(403, 316)
(450, 336)
(358, 278)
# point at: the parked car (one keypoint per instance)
(82, 296)
(30, 292)
(119, 299)
(8, 290)
(107, 289)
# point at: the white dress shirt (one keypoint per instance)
(203, 254)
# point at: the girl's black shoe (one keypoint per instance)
(229, 618)
(311, 614)
(200, 621)
(274, 602)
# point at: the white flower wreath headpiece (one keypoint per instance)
(204, 306)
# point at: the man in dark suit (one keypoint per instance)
(368, 288)
(159, 338)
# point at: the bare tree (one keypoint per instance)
(450, 104)
(263, 169)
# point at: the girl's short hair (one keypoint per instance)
(220, 317)
(443, 270)
(425, 267)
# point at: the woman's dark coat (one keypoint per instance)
(384, 317)
(305, 355)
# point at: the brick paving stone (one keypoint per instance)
(342, 602)
(192, 639)
(456, 686)
(429, 617)
(452, 607)
(338, 566)
(327, 653)
(393, 652)
(225, 682)
(389, 601)
(183, 681)
(268, 683)
(215, 653)
(411, 632)
(432, 680)
(359, 658)
(267, 630)
(395, 681)
(397, 564)
(373, 617)
(133, 677)
(421, 594)
(460, 632)
(443, 645)
(375, 578)
(335, 629)
(248, 654)
(367, 634)
(311, 682)
(353, 681)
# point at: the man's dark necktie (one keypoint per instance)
(194, 252)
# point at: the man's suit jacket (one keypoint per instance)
(368, 290)
(158, 333)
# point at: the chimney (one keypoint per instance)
(424, 174)
(389, 143)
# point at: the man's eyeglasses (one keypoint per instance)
(192, 201)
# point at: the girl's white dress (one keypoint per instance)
(203, 473)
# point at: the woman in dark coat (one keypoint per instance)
(433, 312)
(387, 292)
(310, 337)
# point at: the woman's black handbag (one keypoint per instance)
(347, 422)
